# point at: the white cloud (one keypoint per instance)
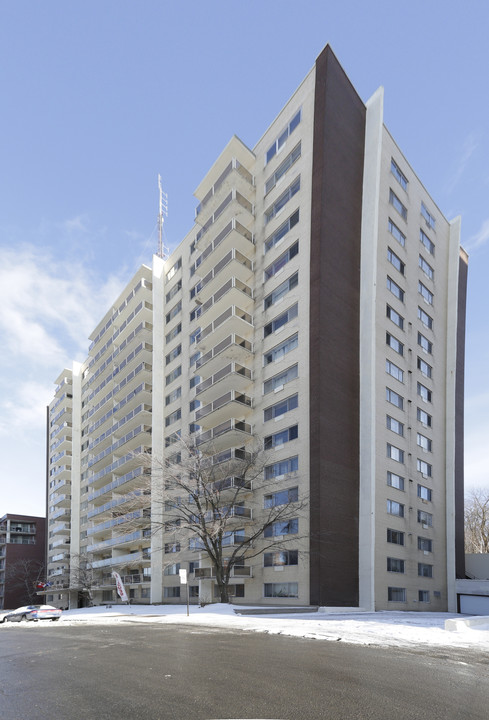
(49, 306)
(25, 408)
(479, 239)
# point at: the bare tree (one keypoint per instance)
(82, 576)
(476, 516)
(223, 505)
(24, 576)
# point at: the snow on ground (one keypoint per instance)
(394, 629)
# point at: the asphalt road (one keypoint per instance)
(160, 672)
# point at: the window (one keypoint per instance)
(395, 289)
(282, 261)
(279, 352)
(173, 354)
(396, 594)
(423, 290)
(395, 508)
(275, 411)
(394, 425)
(174, 269)
(395, 536)
(394, 343)
(426, 268)
(395, 453)
(194, 358)
(430, 220)
(193, 428)
(279, 234)
(173, 375)
(173, 312)
(424, 493)
(425, 544)
(282, 437)
(424, 368)
(399, 175)
(283, 168)
(394, 370)
(423, 596)
(281, 558)
(171, 592)
(282, 497)
(280, 141)
(396, 233)
(278, 381)
(397, 204)
(173, 333)
(171, 293)
(284, 467)
(281, 291)
(395, 481)
(427, 242)
(194, 381)
(171, 397)
(424, 468)
(424, 442)
(424, 417)
(396, 261)
(281, 320)
(425, 570)
(426, 319)
(424, 392)
(194, 335)
(172, 569)
(193, 565)
(282, 201)
(195, 313)
(173, 417)
(193, 591)
(272, 590)
(173, 438)
(395, 317)
(172, 547)
(425, 343)
(395, 565)
(194, 405)
(282, 527)
(425, 518)
(394, 398)
(196, 289)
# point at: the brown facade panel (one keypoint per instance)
(339, 135)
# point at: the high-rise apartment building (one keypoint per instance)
(318, 304)
(22, 557)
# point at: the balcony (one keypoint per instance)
(232, 292)
(234, 176)
(236, 376)
(61, 500)
(232, 236)
(61, 543)
(233, 347)
(138, 517)
(230, 404)
(60, 529)
(130, 539)
(63, 513)
(129, 482)
(209, 573)
(232, 484)
(233, 321)
(119, 560)
(226, 435)
(234, 456)
(60, 557)
(233, 264)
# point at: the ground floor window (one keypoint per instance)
(424, 596)
(290, 589)
(233, 590)
(172, 592)
(145, 593)
(193, 591)
(107, 596)
(396, 594)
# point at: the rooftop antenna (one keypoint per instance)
(163, 213)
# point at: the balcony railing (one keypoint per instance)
(230, 426)
(230, 397)
(121, 540)
(231, 455)
(233, 165)
(118, 482)
(236, 346)
(210, 572)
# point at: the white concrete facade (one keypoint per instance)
(229, 313)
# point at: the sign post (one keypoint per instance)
(183, 581)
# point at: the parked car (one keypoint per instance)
(32, 612)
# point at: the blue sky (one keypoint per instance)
(99, 97)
